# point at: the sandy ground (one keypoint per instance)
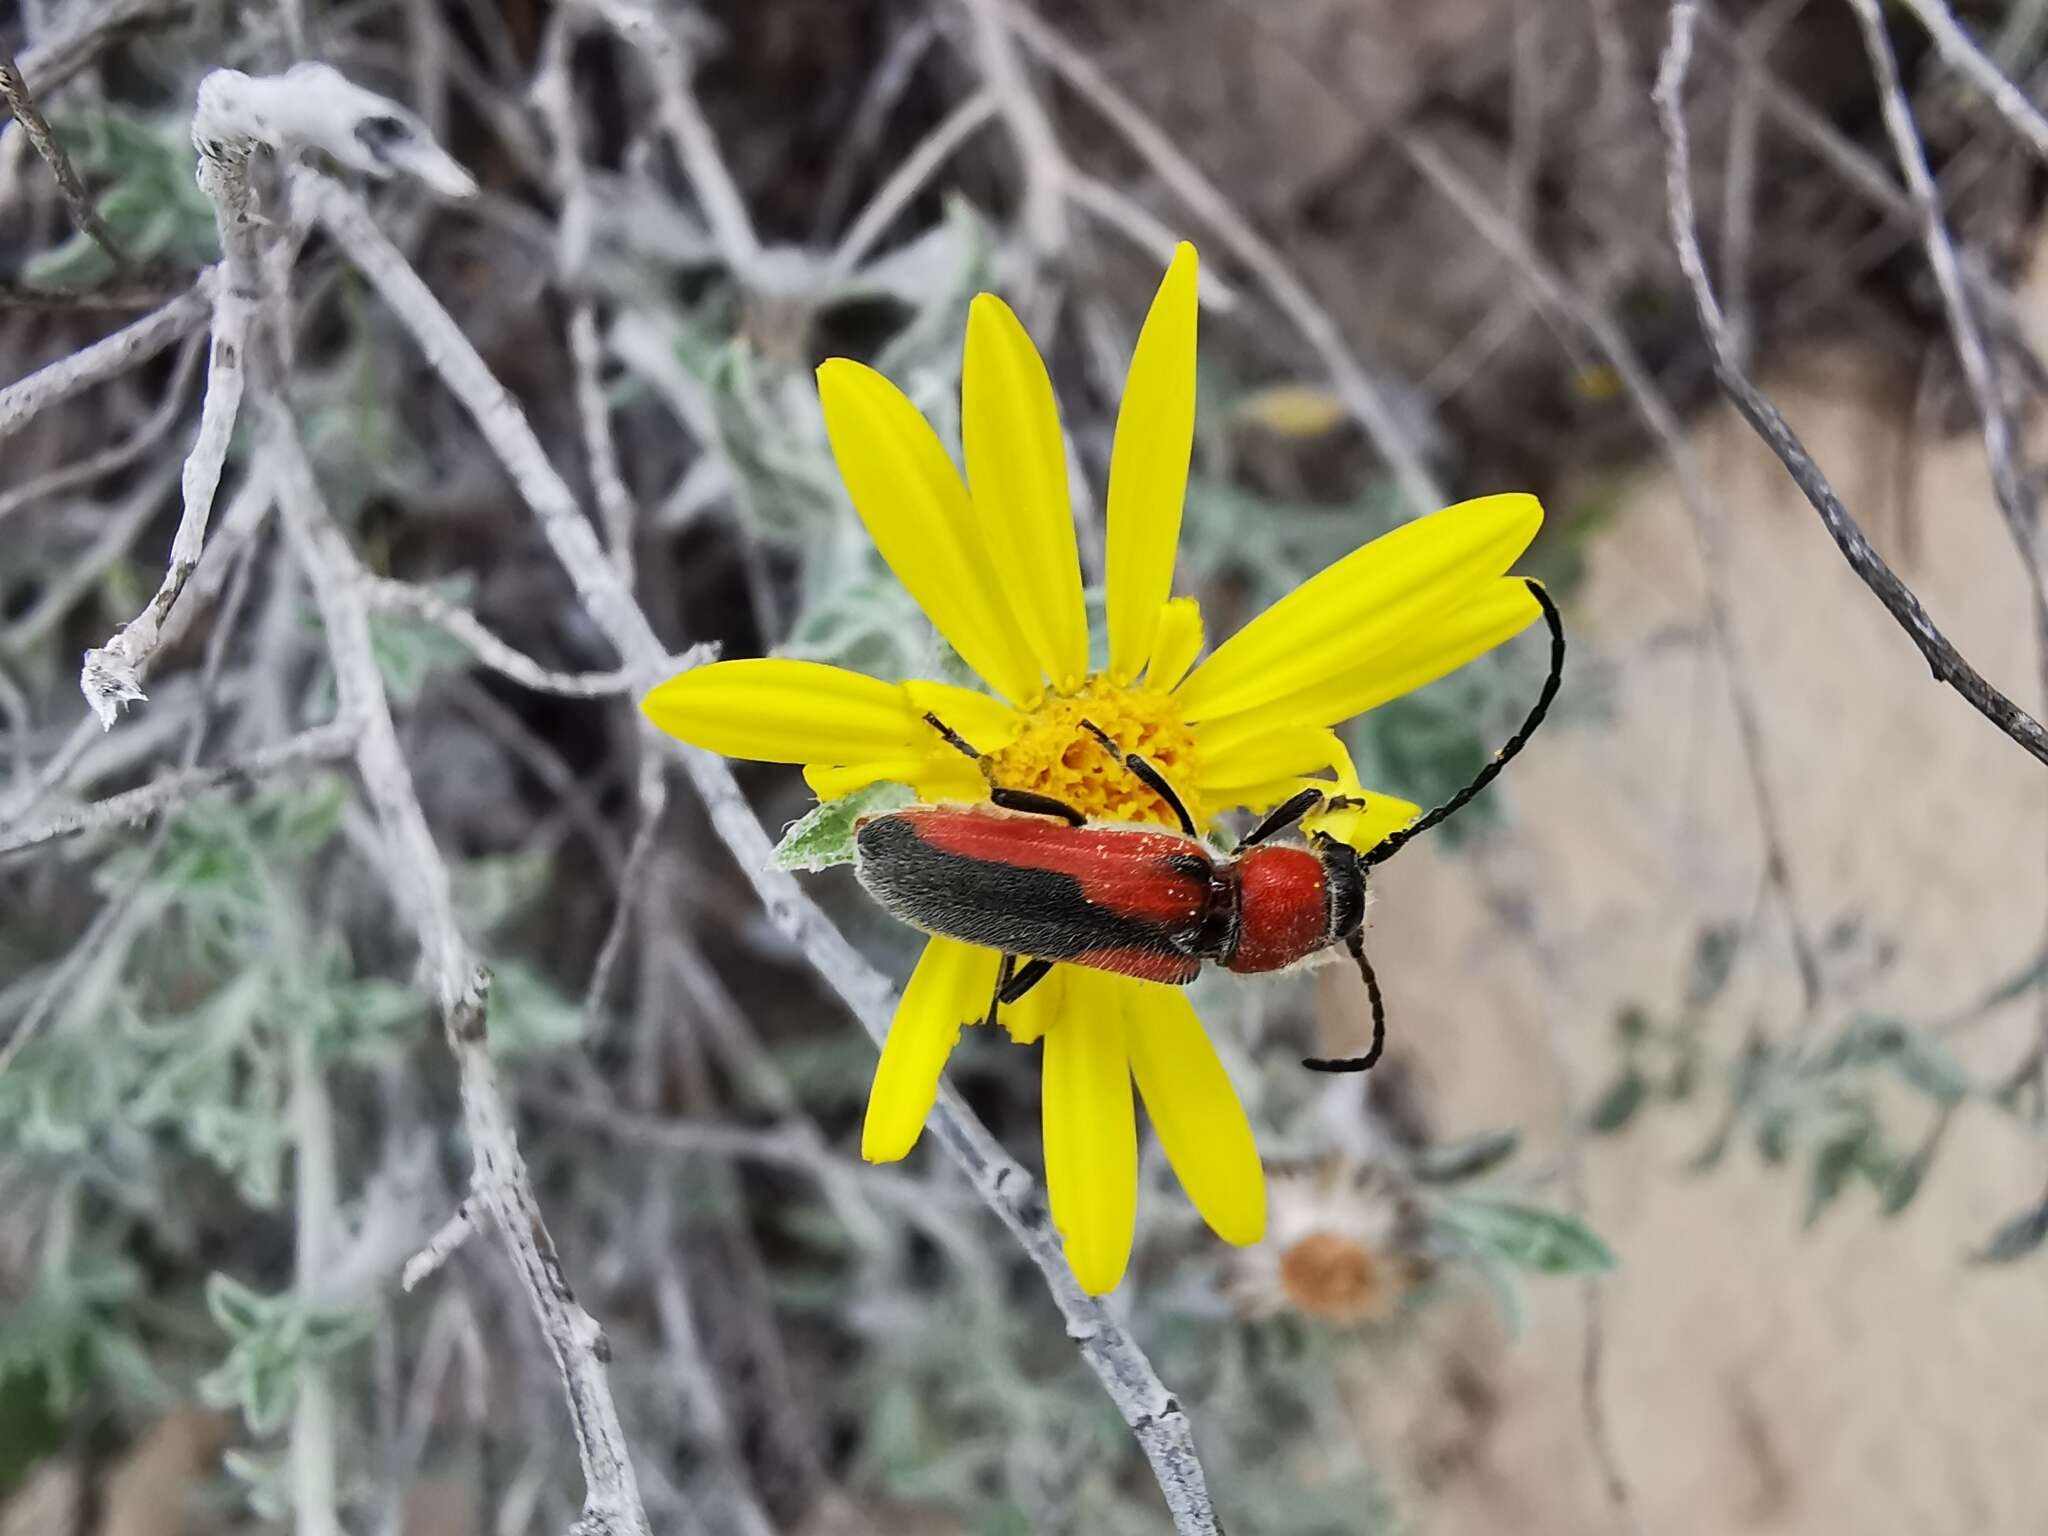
(1859, 1377)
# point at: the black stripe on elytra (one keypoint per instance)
(1023, 911)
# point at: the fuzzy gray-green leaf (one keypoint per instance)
(1528, 1237)
(825, 836)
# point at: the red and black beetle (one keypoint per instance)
(1029, 876)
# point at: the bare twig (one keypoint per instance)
(309, 105)
(316, 1196)
(1044, 214)
(1859, 170)
(132, 344)
(15, 92)
(389, 596)
(1144, 229)
(1946, 663)
(50, 63)
(653, 40)
(2015, 495)
(440, 1248)
(321, 744)
(421, 884)
(142, 294)
(1162, 1429)
(1702, 513)
(551, 91)
(1362, 397)
(907, 180)
(653, 798)
(107, 460)
(885, 88)
(1967, 60)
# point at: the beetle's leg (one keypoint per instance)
(1356, 944)
(1036, 804)
(995, 997)
(1146, 774)
(1011, 987)
(1013, 981)
(1393, 845)
(1280, 818)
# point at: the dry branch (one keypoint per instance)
(1362, 396)
(237, 114)
(1968, 60)
(611, 1505)
(1946, 663)
(388, 596)
(1162, 1429)
(321, 744)
(132, 344)
(15, 92)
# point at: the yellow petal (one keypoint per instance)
(1368, 825)
(1257, 798)
(1496, 612)
(934, 777)
(1017, 471)
(1363, 605)
(1091, 1136)
(1175, 644)
(1037, 1011)
(779, 711)
(1148, 468)
(1242, 761)
(986, 724)
(1196, 1112)
(917, 512)
(949, 988)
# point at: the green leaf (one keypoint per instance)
(30, 1426)
(1897, 1190)
(1448, 1162)
(1926, 1063)
(409, 651)
(1713, 961)
(825, 836)
(527, 1013)
(1836, 1158)
(305, 816)
(2016, 1239)
(267, 1384)
(239, 1311)
(1618, 1104)
(489, 892)
(1528, 1237)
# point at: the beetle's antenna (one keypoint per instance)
(1356, 944)
(952, 737)
(1464, 797)
(1009, 799)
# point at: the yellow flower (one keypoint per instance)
(992, 562)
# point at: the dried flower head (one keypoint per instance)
(1343, 1245)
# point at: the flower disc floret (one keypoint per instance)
(1054, 755)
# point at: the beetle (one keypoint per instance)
(1028, 875)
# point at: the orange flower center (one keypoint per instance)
(1055, 756)
(1331, 1277)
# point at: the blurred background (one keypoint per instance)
(1740, 975)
